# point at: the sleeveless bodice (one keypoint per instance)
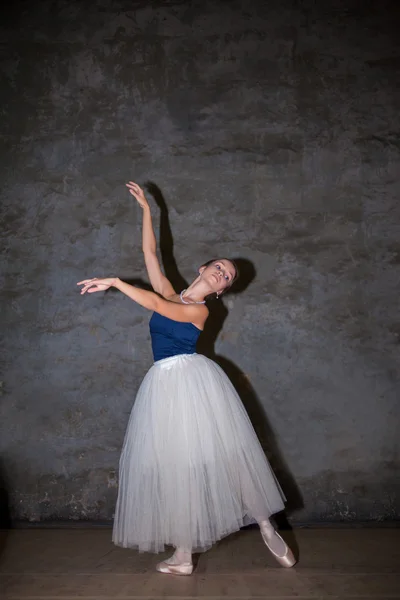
(170, 338)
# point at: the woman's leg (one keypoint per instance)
(181, 555)
(275, 542)
(257, 506)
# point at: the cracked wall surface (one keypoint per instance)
(268, 131)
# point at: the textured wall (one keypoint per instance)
(270, 132)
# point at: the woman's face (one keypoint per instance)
(219, 274)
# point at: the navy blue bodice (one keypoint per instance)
(169, 338)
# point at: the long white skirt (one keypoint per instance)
(192, 469)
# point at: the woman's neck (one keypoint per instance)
(197, 291)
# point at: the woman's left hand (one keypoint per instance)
(96, 285)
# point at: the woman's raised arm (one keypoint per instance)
(158, 280)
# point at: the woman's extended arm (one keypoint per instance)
(157, 279)
(185, 313)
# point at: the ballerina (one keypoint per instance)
(192, 469)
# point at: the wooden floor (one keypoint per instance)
(83, 563)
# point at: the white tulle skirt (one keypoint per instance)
(192, 469)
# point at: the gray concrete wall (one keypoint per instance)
(271, 130)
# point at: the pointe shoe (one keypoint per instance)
(287, 560)
(179, 569)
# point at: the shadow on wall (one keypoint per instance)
(206, 346)
(5, 517)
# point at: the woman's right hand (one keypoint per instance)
(137, 193)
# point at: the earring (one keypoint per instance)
(217, 295)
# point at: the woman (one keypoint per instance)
(192, 469)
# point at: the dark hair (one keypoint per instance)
(234, 278)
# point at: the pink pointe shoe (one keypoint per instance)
(287, 560)
(178, 569)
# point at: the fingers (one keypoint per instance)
(90, 289)
(86, 281)
(93, 285)
(136, 191)
(134, 188)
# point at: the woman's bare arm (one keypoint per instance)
(159, 282)
(185, 313)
